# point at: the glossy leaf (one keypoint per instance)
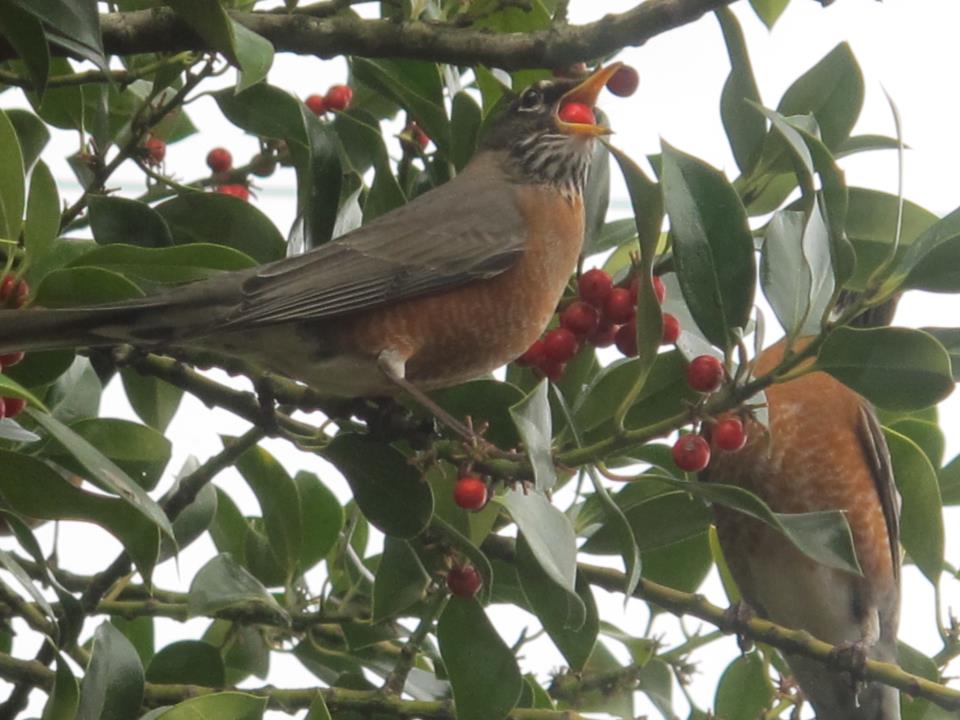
(221, 584)
(657, 521)
(744, 127)
(233, 705)
(84, 286)
(154, 401)
(386, 487)
(465, 119)
(121, 220)
(930, 263)
(25, 34)
(65, 695)
(321, 519)
(769, 11)
(189, 662)
(570, 619)
(385, 193)
(712, 245)
(43, 212)
(468, 641)
(72, 24)
(222, 220)
(895, 368)
(12, 188)
(485, 401)
(401, 580)
(744, 690)
(548, 533)
(950, 339)
(921, 517)
(532, 418)
(318, 710)
(113, 685)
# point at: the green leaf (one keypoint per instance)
(154, 401)
(65, 695)
(103, 472)
(596, 192)
(12, 181)
(832, 90)
(465, 120)
(468, 642)
(244, 49)
(769, 10)
(401, 580)
(415, 85)
(921, 517)
(712, 245)
(570, 619)
(140, 452)
(61, 107)
(121, 220)
(684, 565)
(233, 705)
(357, 132)
(222, 220)
(950, 339)
(744, 690)
(43, 213)
(180, 264)
(745, 129)
(532, 418)
(25, 34)
(11, 388)
(321, 519)
(386, 487)
(548, 533)
(112, 688)
(279, 502)
(614, 234)
(485, 401)
(242, 647)
(222, 584)
(74, 286)
(930, 263)
(318, 710)
(189, 662)
(72, 24)
(33, 489)
(895, 368)
(656, 521)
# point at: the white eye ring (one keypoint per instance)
(531, 99)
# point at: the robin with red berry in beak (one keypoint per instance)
(444, 289)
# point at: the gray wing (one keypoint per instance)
(468, 228)
(875, 447)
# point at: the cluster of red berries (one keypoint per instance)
(153, 150)
(13, 293)
(220, 161)
(603, 315)
(338, 98)
(692, 451)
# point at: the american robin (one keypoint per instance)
(824, 450)
(444, 289)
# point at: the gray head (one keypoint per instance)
(541, 147)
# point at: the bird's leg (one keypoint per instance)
(393, 369)
(852, 656)
(735, 617)
(266, 396)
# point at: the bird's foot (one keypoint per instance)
(735, 618)
(266, 397)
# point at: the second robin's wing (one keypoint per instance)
(467, 229)
(878, 456)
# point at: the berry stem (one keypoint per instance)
(397, 678)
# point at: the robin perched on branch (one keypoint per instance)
(444, 289)
(824, 449)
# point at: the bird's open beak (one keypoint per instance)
(587, 93)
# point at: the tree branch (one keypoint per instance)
(161, 30)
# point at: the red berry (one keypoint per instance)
(11, 359)
(219, 160)
(618, 307)
(470, 492)
(551, 369)
(533, 356)
(728, 433)
(627, 338)
(236, 190)
(13, 406)
(705, 373)
(13, 292)
(594, 286)
(577, 113)
(624, 82)
(464, 581)
(418, 135)
(338, 97)
(560, 345)
(317, 104)
(580, 318)
(691, 453)
(604, 335)
(156, 150)
(671, 329)
(659, 289)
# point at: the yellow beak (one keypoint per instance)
(587, 93)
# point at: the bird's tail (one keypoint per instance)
(157, 320)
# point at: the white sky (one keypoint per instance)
(906, 46)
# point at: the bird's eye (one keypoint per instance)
(531, 99)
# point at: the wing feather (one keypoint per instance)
(878, 455)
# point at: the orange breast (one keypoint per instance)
(471, 330)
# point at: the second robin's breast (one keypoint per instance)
(470, 330)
